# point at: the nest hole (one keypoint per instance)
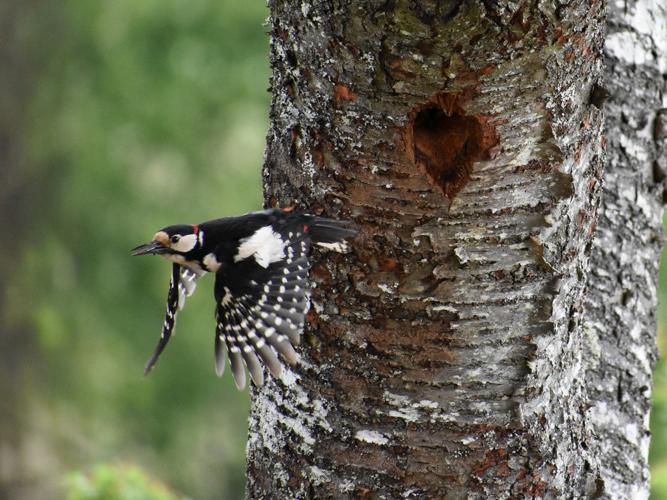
(445, 143)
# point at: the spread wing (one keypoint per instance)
(181, 285)
(187, 285)
(262, 299)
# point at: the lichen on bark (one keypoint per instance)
(620, 308)
(447, 355)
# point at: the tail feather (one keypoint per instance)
(330, 230)
(331, 233)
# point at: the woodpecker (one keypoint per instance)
(262, 292)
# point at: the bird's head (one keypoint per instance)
(172, 241)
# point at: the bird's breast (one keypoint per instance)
(194, 265)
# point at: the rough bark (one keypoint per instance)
(447, 355)
(620, 319)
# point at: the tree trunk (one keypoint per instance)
(452, 352)
(17, 193)
(620, 321)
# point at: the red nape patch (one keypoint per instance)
(195, 228)
(444, 142)
(305, 228)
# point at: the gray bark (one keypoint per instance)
(452, 354)
(620, 319)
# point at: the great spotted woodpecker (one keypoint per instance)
(262, 292)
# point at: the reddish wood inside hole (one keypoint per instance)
(445, 143)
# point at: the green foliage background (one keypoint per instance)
(658, 450)
(145, 113)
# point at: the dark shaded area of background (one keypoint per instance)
(118, 118)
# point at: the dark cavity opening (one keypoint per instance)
(446, 143)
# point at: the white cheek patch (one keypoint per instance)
(185, 244)
(266, 245)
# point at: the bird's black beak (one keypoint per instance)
(152, 248)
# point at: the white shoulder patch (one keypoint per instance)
(265, 245)
(211, 262)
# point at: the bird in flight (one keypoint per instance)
(262, 291)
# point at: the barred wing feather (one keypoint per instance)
(260, 313)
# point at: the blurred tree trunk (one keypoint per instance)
(17, 82)
(13, 339)
(476, 342)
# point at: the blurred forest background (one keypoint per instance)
(118, 118)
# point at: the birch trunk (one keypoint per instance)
(464, 348)
(620, 320)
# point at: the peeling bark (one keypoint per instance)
(449, 355)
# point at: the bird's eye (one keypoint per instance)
(175, 238)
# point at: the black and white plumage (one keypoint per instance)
(262, 291)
